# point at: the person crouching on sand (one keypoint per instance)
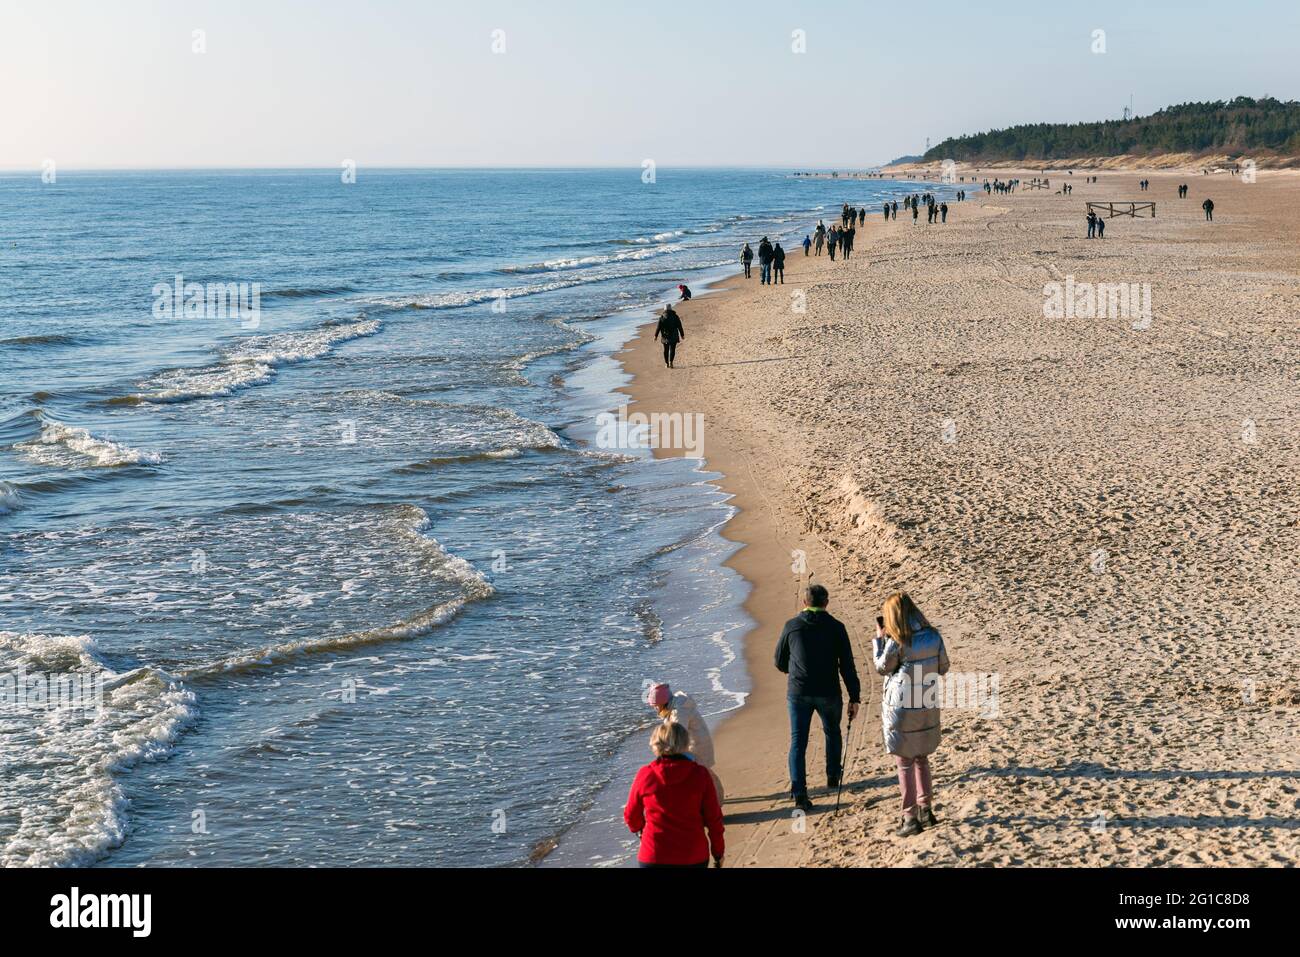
(673, 806)
(677, 707)
(907, 651)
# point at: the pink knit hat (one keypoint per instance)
(659, 695)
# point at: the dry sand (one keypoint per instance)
(1103, 516)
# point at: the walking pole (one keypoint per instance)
(848, 736)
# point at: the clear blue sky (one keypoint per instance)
(101, 84)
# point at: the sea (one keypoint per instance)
(312, 549)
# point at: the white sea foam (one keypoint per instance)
(408, 523)
(578, 262)
(62, 765)
(68, 446)
(252, 362)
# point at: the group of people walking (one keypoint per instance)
(836, 238)
(771, 262)
(675, 803)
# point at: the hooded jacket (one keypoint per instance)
(814, 651)
(672, 804)
(670, 327)
(685, 712)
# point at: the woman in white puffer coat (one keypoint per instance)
(909, 652)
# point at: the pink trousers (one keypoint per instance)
(914, 779)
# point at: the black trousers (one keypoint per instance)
(670, 351)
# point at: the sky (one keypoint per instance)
(313, 83)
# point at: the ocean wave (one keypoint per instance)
(409, 523)
(64, 761)
(580, 339)
(558, 265)
(71, 447)
(307, 292)
(10, 500)
(251, 362)
(455, 300)
(50, 339)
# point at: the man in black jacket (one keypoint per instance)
(764, 262)
(814, 651)
(669, 328)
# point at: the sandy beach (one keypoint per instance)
(1099, 513)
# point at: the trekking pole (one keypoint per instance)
(848, 737)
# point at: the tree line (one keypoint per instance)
(1233, 126)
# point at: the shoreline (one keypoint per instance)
(763, 528)
(860, 541)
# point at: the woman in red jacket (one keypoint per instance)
(672, 804)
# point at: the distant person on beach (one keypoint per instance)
(677, 707)
(886, 212)
(747, 259)
(764, 262)
(916, 213)
(778, 265)
(685, 290)
(832, 240)
(909, 652)
(862, 217)
(819, 238)
(673, 806)
(1101, 227)
(846, 241)
(815, 652)
(1092, 224)
(671, 331)
(893, 208)
(943, 211)
(807, 244)
(1208, 206)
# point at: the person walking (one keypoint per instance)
(943, 211)
(673, 807)
(747, 260)
(670, 329)
(778, 265)
(807, 244)
(909, 652)
(764, 262)
(1101, 227)
(815, 652)
(832, 240)
(819, 238)
(677, 707)
(1208, 206)
(1092, 224)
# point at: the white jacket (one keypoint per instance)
(685, 713)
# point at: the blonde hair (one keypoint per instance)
(902, 618)
(669, 739)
